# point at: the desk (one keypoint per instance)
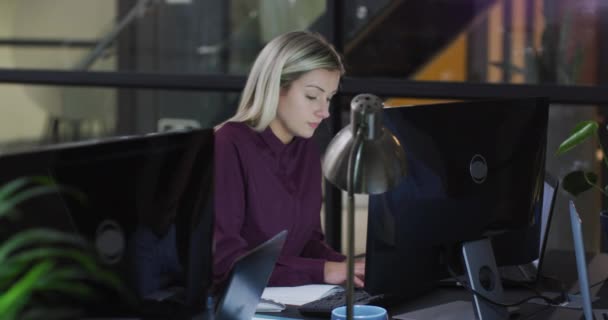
(558, 264)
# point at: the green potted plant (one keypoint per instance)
(39, 263)
(579, 181)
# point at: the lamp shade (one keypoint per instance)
(379, 159)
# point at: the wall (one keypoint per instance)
(19, 116)
(24, 110)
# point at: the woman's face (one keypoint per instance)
(304, 104)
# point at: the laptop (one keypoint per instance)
(530, 273)
(247, 280)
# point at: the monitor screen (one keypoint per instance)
(147, 212)
(475, 169)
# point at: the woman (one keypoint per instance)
(268, 170)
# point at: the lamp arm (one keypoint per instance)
(353, 168)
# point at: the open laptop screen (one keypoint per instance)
(248, 279)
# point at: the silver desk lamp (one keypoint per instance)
(364, 158)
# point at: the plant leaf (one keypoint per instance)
(581, 132)
(9, 272)
(70, 288)
(89, 268)
(35, 236)
(12, 199)
(575, 182)
(14, 299)
(7, 204)
(12, 186)
(9, 188)
(33, 254)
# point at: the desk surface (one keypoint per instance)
(560, 265)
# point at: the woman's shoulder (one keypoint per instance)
(233, 131)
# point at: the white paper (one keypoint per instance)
(300, 295)
(266, 305)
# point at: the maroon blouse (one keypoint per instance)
(263, 186)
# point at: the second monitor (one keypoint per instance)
(147, 213)
(476, 170)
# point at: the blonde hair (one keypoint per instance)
(283, 60)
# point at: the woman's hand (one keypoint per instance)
(335, 272)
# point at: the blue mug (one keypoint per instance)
(361, 312)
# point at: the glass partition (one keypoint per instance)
(174, 36)
(500, 41)
(33, 115)
(495, 41)
(55, 34)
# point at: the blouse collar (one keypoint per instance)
(275, 144)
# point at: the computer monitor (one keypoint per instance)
(522, 252)
(475, 169)
(148, 213)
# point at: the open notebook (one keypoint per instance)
(299, 295)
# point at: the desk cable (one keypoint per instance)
(562, 288)
(550, 301)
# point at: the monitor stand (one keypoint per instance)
(484, 278)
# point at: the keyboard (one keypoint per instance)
(323, 307)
